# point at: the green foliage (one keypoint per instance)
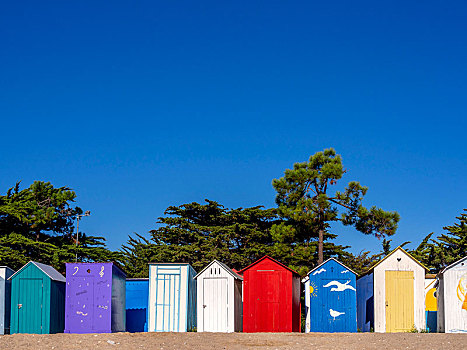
(308, 208)
(199, 233)
(362, 262)
(447, 248)
(37, 224)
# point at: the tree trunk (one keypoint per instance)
(320, 246)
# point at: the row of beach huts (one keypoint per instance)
(395, 295)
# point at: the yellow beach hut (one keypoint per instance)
(391, 295)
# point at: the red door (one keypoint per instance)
(267, 308)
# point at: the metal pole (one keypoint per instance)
(77, 230)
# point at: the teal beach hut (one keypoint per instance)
(37, 300)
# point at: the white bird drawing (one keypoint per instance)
(335, 313)
(340, 287)
(345, 271)
(317, 272)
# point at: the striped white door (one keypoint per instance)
(168, 302)
(215, 305)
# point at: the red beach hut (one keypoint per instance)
(271, 297)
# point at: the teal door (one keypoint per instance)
(30, 305)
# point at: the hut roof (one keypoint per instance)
(324, 262)
(387, 256)
(224, 266)
(263, 258)
(47, 269)
(453, 264)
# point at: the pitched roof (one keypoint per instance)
(453, 264)
(263, 258)
(324, 262)
(6, 267)
(48, 270)
(387, 256)
(225, 267)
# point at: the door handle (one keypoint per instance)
(204, 306)
(20, 306)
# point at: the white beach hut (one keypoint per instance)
(219, 297)
(391, 295)
(5, 299)
(172, 298)
(452, 298)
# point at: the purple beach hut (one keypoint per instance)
(95, 298)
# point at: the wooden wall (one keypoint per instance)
(452, 298)
(399, 261)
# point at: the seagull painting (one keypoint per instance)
(317, 272)
(345, 271)
(339, 287)
(335, 313)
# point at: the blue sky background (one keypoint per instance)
(142, 105)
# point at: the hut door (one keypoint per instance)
(80, 316)
(399, 301)
(30, 305)
(267, 303)
(215, 305)
(337, 297)
(168, 301)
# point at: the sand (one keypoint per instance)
(166, 341)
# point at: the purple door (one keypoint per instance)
(102, 302)
(81, 312)
(89, 297)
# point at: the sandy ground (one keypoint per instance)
(166, 341)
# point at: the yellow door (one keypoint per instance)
(399, 301)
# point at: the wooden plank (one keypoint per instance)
(399, 301)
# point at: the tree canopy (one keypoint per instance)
(199, 233)
(36, 224)
(305, 202)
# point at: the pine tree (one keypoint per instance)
(37, 224)
(308, 208)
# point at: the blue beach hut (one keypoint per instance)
(331, 298)
(137, 294)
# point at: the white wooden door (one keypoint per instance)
(215, 305)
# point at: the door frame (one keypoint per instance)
(41, 298)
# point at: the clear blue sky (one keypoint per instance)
(142, 105)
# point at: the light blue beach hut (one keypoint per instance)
(172, 297)
(5, 299)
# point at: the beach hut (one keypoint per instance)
(452, 298)
(95, 298)
(219, 299)
(271, 297)
(391, 295)
(431, 306)
(5, 299)
(137, 294)
(37, 300)
(330, 298)
(172, 297)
